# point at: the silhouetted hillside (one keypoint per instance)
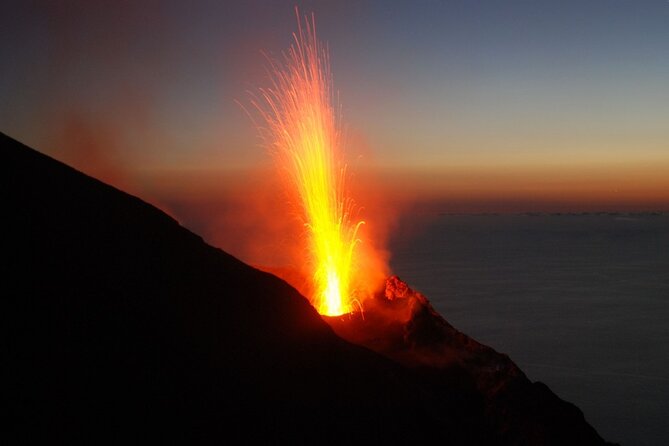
(123, 326)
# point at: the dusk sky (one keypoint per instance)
(519, 105)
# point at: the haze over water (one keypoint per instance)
(579, 302)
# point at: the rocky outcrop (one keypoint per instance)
(401, 324)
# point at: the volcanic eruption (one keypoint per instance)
(303, 133)
(302, 130)
(125, 351)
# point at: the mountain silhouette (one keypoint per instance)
(123, 326)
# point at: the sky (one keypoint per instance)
(475, 105)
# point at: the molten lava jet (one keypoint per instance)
(304, 135)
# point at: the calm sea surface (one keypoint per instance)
(580, 302)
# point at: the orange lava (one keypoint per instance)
(302, 130)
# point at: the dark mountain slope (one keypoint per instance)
(122, 326)
(122, 323)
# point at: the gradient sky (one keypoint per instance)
(519, 105)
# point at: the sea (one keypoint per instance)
(579, 301)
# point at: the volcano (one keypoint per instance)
(121, 325)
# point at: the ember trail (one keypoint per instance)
(304, 135)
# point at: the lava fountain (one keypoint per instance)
(302, 131)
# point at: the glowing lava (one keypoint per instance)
(303, 133)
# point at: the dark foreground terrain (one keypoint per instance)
(122, 326)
